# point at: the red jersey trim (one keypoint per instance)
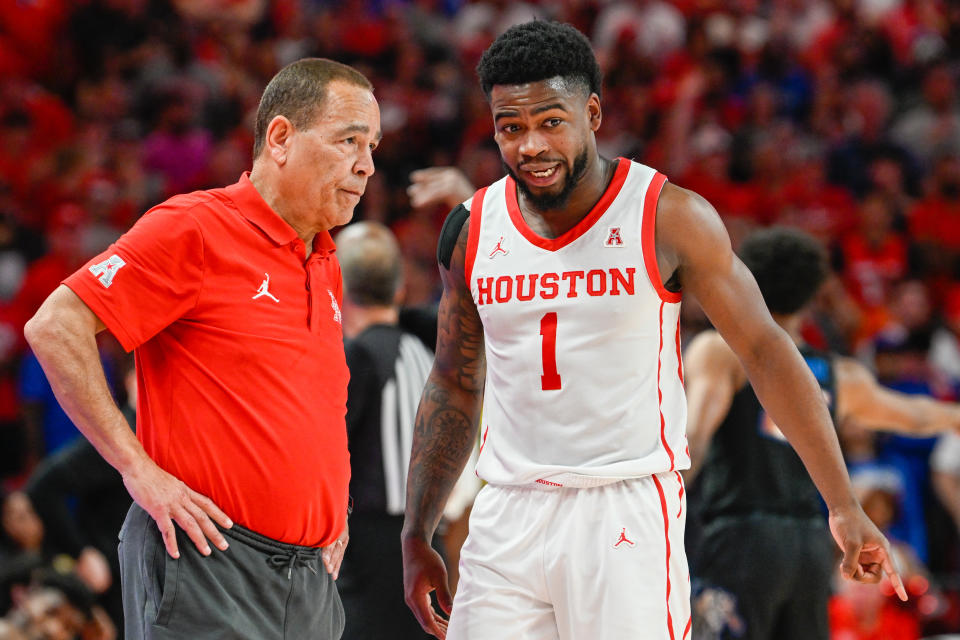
(663, 422)
(482, 442)
(613, 189)
(473, 234)
(648, 238)
(679, 355)
(666, 536)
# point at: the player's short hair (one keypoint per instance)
(371, 263)
(539, 50)
(298, 92)
(788, 264)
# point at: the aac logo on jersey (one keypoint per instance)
(614, 238)
(106, 271)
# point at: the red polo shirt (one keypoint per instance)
(241, 377)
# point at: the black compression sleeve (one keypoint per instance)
(449, 234)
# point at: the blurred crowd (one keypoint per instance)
(841, 117)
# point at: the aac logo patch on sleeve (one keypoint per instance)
(106, 270)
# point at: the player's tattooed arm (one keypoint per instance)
(449, 412)
(444, 432)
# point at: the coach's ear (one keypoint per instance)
(278, 137)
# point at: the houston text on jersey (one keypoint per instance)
(571, 284)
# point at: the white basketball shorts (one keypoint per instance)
(602, 563)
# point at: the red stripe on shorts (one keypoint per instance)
(680, 493)
(666, 536)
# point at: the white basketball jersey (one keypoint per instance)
(584, 383)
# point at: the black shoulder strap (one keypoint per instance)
(449, 234)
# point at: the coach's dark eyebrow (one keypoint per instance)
(358, 128)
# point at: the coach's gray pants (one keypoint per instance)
(258, 589)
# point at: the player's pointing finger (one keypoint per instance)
(890, 568)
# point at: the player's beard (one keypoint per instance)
(554, 201)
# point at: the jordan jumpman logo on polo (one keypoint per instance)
(624, 539)
(497, 250)
(264, 289)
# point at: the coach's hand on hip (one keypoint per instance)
(333, 554)
(168, 500)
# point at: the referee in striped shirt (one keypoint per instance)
(388, 368)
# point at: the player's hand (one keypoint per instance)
(332, 555)
(866, 552)
(94, 570)
(423, 572)
(438, 185)
(168, 500)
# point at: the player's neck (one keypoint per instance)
(553, 223)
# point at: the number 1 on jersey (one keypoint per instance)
(550, 380)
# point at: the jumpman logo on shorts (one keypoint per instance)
(497, 250)
(264, 289)
(624, 539)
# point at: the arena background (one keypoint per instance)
(840, 117)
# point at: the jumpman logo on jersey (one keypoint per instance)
(624, 539)
(497, 250)
(264, 289)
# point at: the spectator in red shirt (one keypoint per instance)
(874, 256)
(231, 299)
(936, 218)
(811, 203)
(863, 613)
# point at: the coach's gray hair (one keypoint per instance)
(298, 92)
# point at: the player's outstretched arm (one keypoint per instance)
(873, 406)
(438, 185)
(690, 237)
(63, 336)
(711, 377)
(445, 428)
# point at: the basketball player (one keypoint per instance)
(560, 315)
(764, 537)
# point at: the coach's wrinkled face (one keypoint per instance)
(545, 133)
(326, 164)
